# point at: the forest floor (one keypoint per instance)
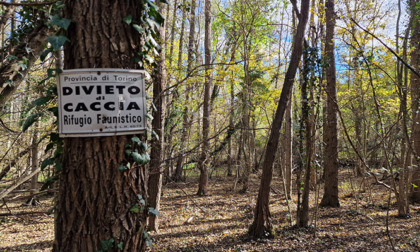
(219, 222)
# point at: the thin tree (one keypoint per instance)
(204, 163)
(330, 197)
(156, 169)
(261, 225)
(415, 96)
(185, 119)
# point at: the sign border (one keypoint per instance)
(98, 134)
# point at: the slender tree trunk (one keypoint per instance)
(204, 163)
(261, 225)
(287, 153)
(156, 169)
(246, 103)
(95, 197)
(171, 50)
(181, 36)
(415, 97)
(186, 116)
(330, 197)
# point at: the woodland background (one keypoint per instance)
(345, 172)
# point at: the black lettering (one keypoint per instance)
(88, 90)
(109, 106)
(133, 106)
(81, 107)
(67, 90)
(68, 107)
(134, 90)
(120, 89)
(109, 89)
(95, 106)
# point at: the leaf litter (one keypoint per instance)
(220, 221)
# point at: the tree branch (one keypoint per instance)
(387, 47)
(27, 4)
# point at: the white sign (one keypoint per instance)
(101, 102)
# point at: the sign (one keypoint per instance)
(101, 102)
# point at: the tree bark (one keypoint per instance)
(330, 197)
(261, 226)
(204, 163)
(95, 198)
(415, 97)
(156, 169)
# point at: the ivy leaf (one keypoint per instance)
(128, 19)
(149, 116)
(155, 135)
(30, 120)
(107, 244)
(11, 57)
(138, 158)
(9, 83)
(122, 168)
(49, 182)
(60, 22)
(136, 140)
(128, 152)
(152, 5)
(120, 245)
(52, 72)
(153, 23)
(144, 145)
(57, 41)
(45, 53)
(154, 211)
(42, 100)
(47, 162)
(139, 29)
(22, 65)
(135, 209)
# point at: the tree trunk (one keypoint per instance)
(330, 197)
(415, 97)
(156, 169)
(185, 124)
(261, 225)
(95, 198)
(171, 50)
(287, 151)
(204, 163)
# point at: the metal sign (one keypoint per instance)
(101, 102)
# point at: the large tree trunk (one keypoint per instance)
(95, 197)
(261, 225)
(204, 163)
(330, 197)
(156, 169)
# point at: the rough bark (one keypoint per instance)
(261, 225)
(95, 197)
(330, 197)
